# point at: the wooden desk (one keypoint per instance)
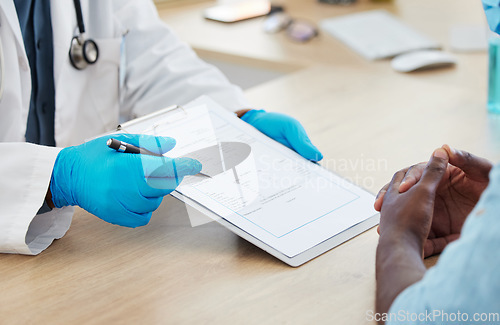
(359, 113)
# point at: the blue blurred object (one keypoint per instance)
(120, 188)
(494, 75)
(492, 10)
(284, 129)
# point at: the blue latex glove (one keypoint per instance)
(492, 10)
(120, 188)
(284, 129)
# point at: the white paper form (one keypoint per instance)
(257, 184)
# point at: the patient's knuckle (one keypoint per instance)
(435, 168)
(399, 173)
(410, 169)
(468, 157)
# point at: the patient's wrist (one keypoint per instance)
(403, 239)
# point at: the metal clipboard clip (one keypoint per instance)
(151, 121)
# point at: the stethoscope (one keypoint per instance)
(82, 52)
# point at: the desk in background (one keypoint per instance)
(359, 113)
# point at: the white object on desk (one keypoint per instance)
(376, 34)
(238, 10)
(420, 60)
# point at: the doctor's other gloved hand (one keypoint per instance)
(284, 129)
(120, 188)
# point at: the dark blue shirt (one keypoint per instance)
(36, 26)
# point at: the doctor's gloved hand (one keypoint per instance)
(284, 129)
(120, 188)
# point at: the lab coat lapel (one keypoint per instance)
(63, 28)
(11, 15)
(69, 82)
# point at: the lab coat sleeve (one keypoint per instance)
(160, 70)
(25, 176)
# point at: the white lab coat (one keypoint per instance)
(142, 67)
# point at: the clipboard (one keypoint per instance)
(153, 119)
(317, 219)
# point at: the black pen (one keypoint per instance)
(130, 148)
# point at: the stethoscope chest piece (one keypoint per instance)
(83, 52)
